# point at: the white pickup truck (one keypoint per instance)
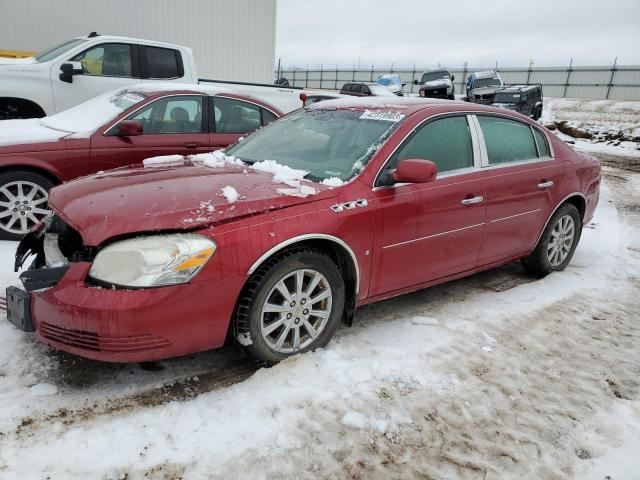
(84, 67)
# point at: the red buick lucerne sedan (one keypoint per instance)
(275, 241)
(118, 128)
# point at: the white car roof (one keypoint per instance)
(115, 38)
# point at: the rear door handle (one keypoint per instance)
(473, 200)
(192, 144)
(547, 184)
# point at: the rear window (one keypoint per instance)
(163, 63)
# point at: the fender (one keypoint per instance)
(574, 194)
(309, 236)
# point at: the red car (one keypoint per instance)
(119, 128)
(278, 239)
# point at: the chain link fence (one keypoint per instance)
(616, 82)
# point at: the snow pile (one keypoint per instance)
(281, 173)
(230, 193)
(301, 191)
(608, 126)
(217, 159)
(163, 160)
(43, 389)
(333, 182)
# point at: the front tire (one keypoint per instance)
(23, 202)
(557, 243)
(292, 304)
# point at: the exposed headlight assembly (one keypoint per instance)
(153, 261)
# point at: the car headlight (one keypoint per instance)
(153, 261)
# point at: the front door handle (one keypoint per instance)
(547, 184)
(472, 200)
(192, 144)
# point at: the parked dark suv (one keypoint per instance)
(437, 84)
(525, 99)
(365, 89)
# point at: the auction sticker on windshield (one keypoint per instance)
(383, 116)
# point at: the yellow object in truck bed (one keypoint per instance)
(16, 54)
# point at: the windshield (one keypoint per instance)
(88, 116)
(431, 76)
(389, 80)
(325, 143)
(58, 50)
(506, 97)
(487, 82)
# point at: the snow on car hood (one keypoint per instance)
(80, 121)
(170, 197)
(437, 83)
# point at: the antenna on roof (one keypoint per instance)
(92, 34)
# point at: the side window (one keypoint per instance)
(507, 140)
(106, 59)
(268, 117)
(235, 116)
(182, 114)
(163, 63)
(541, 142)
(446, 142)
(365, 90)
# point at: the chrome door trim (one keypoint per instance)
(309, 236)
(472, 201)
(514, 216)
(433, 235)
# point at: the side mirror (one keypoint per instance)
(130, 128)
(415, 170)
(415, 82)
(404, 83)
(69, 69)
(453, 77)
(303, 97)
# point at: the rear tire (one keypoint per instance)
(23, 202)
(538, 113)
(557, 243)
(292, 304)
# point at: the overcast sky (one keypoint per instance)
(428, 32)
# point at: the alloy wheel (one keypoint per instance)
(296, 310)
(22, 205)
(561, 241)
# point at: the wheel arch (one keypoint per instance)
(576, 199)
(32, 105)
(32, 169)
(337, 249)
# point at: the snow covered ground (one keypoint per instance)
(493, 376)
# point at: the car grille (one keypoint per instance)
(97, 343)
(436, 92)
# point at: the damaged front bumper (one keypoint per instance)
(117, 325)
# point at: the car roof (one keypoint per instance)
(115, 38)
(159, 88)
(404, 105)
(519, 88)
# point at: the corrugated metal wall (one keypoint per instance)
(619, 83)
(232, 40)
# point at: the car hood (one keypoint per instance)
(170, 197)
(437, 83)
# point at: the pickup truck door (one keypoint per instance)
(174, 124)
(105, 66)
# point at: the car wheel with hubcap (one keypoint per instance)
(292, 304)
(557, 243)
(23, 202)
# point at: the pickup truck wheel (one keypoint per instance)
(23, 202)
(17, 108)
(451, 97)
(538, 113)
(557, 243)
(291, 305)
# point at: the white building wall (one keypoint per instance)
(231, 39)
